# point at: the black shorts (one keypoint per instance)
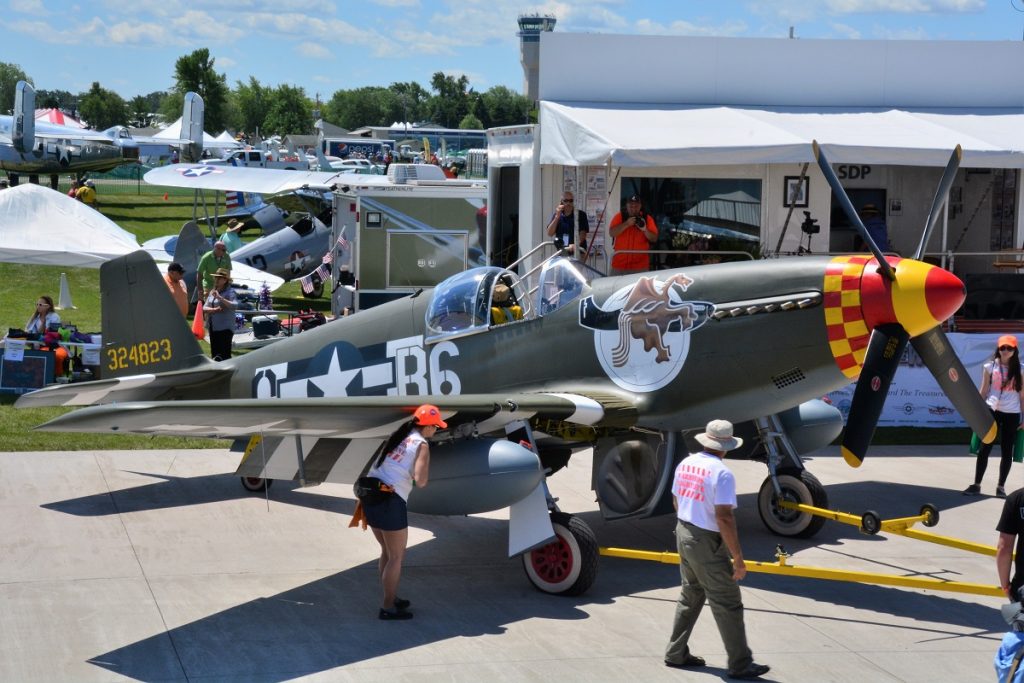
(391, 514)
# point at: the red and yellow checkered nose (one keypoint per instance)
(858, 299)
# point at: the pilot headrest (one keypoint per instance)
(501, 293)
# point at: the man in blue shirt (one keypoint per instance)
(567, 221)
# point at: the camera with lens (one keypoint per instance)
(810, 225)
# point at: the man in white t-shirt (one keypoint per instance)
(704, 495)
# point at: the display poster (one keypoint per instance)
(595, 198)
(915, 399)
(91, 354)
(14, 350)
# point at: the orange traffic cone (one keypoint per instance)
(198, 329)
(165, 196)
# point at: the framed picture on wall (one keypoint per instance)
(796, 191)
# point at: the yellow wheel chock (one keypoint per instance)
(869, 523)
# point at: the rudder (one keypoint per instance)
(143, 330)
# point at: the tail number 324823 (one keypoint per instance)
(138, 355)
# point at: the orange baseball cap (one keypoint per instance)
(427, 415)
(1007, 340)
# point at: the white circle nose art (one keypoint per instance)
(648, 345)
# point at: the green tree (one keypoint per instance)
(195, 73)
(139, 113)
(413, 101)
(10, 74)
(290, 111)
(102, 108)
(251, 103)
(501, 106)
(370, 106)
(451, 101)
(470, 122)
(57, 99)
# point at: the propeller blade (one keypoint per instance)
(885, 349)
(851, 213)
(949, 372)
(941, 194)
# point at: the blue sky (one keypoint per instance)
(130, 46)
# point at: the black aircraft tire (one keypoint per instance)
(799, 487)
(567, 565)
(256, 484)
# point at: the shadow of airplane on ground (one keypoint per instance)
(331, 622)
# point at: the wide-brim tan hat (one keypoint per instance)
(222, 272)
(718, 436)
(234, 225)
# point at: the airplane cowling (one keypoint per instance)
(476, 475)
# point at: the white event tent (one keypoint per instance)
(40, 226)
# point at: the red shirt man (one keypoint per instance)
(634, 230)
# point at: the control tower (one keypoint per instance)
(530, 28)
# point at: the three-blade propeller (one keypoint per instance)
(909, 287)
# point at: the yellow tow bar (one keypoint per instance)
(871, 524)
(781, 568)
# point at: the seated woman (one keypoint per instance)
(44, 317)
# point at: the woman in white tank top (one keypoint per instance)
(404, 464)
(1002, 389)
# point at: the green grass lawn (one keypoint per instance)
(146, 216)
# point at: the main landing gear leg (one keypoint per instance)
(787, 480)
(568, 564)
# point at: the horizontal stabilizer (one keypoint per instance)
(129, 388)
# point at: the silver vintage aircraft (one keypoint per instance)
(528, 371)
(31, 148)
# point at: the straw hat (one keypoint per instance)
(718, 436)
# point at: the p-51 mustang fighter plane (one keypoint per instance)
(28, 147)
(526, 371)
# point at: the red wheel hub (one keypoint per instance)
(553, 562)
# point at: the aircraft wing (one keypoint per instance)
(363, 417)
(54, 131)
(263, 180)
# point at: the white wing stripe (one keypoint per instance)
(588, 411)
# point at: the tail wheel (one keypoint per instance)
(798, 487)
(256, 484)
(567, 565)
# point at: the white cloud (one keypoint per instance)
(313, 50)
(905, 6)
(845, 31)
(686, 28)
(34, 7)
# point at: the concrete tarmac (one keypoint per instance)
(158, 566)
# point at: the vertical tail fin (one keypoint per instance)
(192, 121)
(143, 330)
(190, 247)
(23, 136)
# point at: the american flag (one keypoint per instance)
(232, 199)
(328, 257)
(307, 283)
(342, 242)
(323, 272)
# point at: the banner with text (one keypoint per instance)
(915, 399)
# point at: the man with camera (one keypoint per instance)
(566, 222)
(633, 231)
